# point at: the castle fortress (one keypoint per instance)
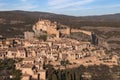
(50, 28)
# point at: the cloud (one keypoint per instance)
(18, 6)
(26, 7)
(96, 7)
(57, 2)
(24, 0)
(61, 4)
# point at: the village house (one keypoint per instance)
(31, 69)
(3, 53)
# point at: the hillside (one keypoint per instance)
(14, 23)
(103, 18)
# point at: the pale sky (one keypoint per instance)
(67, 7)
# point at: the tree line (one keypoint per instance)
(101, 72)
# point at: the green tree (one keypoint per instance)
(64, 62)
(42, 37)
(54, 77)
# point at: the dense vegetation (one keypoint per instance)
(80, 36)
(101, 72)
(7, 69)
(42, 37)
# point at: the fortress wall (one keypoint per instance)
(83, 31)
(65, 31)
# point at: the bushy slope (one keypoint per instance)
(14, 23)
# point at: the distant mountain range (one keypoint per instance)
(20, 21)
(26, 14)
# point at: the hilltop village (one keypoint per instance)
(50, 43)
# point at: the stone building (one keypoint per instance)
(29, 35)
(31, 69)
(51, 28)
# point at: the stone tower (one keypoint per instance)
(58, 35)
(68, 31)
